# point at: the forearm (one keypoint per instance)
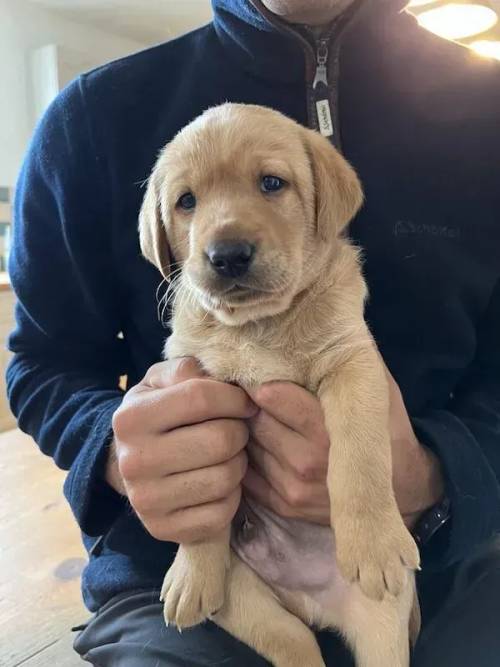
(420, 485)
(69, 416)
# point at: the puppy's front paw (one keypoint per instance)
(377, 553)
(192, 593)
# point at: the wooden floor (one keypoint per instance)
(41, 559)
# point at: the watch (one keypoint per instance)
(431, 522)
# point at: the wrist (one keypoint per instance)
(429, 485)
(418, 483)
(433, 489)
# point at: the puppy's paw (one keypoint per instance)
(376, 553)
(191, 593)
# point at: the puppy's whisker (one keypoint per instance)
(159, 300)
(181, 292)
(159, 287)
(172, 284)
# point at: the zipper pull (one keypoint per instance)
(321, 60)
(325, 124)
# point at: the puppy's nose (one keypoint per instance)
(231, 259)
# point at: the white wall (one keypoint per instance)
(24, 28)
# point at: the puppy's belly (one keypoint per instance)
(291, 555)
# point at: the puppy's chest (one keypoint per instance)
(244, 359)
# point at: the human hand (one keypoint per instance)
(178, 451)
(288, 453)
(288, 450)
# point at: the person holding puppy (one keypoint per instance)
(417, 118)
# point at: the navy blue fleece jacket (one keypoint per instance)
(419, 119)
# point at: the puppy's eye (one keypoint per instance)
(187, 201)
(272, 183)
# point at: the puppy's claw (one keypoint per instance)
(379, 554)
(189, 597)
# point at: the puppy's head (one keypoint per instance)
(250, 204)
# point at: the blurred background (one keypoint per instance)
(43, 45)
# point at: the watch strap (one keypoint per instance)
(431, 522)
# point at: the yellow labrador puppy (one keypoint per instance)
(254, 208)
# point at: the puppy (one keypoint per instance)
(255, 208)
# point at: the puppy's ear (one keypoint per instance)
(338, 192)
(152, 232)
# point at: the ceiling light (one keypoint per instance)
(486, 48)
(455, 21)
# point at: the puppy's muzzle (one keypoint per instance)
(230, 259)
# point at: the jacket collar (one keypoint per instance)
(268, 47)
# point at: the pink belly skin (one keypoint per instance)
(289, 554)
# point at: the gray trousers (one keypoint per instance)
(129, 630)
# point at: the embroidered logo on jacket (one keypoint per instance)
(409, 228)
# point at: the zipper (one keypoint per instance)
(321, 75)
(323, 79)
(322, 70)
(320, 89)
